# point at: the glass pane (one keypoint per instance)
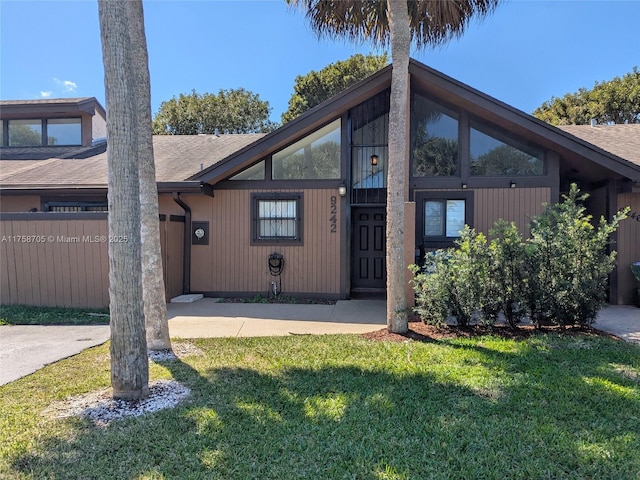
(1, 133)
(433, 218)
(492, 156)
(435, 139)
(277, 218)
(366, 175)
(314, 157)
(255, 172)
(455, 217)
(25, 133)
(64, 131)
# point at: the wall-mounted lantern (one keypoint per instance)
(342, 189)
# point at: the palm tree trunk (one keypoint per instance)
(399, 28)
(129, 362)
(155, 306)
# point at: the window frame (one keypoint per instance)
(44, 137)
(440, 241)
(256, 198)
(83, 205)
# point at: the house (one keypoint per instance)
(302, 209)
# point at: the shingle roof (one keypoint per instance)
(621, 140)
(177, 157)
(44, 101)
(43, 153)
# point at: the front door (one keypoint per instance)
(369, 270)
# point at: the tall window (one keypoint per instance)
(434, 139)
(276, 219)
(494, 154)
(316, 156)
(369, 150)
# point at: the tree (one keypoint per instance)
(315, 87)
(129, 361)
(155, 306)
(398, 23)
(230, 111)
(616, 101)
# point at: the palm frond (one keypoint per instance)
(433, 22)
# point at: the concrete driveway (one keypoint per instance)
(27, 348)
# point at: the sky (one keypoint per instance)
(523, 54)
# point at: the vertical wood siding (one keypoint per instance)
(628, 248)
(66, 263)
(61, 267)
(517, 205)
(230, 264)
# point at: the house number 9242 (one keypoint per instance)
(333, 219)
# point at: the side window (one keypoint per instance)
(441, 217)
(444, 218)
(276, 219)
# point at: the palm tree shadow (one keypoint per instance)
(329, 421)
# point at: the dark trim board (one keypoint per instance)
(45, 216)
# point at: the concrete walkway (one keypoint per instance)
(207, 318)
(620, 320)
(25, 349)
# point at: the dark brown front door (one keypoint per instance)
(369, 270)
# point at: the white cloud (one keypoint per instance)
(46, 94)
(67, 85)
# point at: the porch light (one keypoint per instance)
(512, 184)
(464, 185)
(342, 189)
(374, 160)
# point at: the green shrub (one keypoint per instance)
(508, 283)
(558, 276)
(467, 271)
(571, 262)
(431, 289)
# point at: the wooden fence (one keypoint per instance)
(61, 260)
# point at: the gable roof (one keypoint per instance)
(574, 150)
(620, 140)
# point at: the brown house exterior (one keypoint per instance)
(304, 206)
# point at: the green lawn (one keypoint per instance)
(28, 315)
(334, 407)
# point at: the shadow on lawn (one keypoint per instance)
(349, 422)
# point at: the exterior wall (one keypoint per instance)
(628, 247)
(60, 268)
(230, 264)
(517, 205)
(61, 260)
(172, 244)
(98, 127)
(19, 203)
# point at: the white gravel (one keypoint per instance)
(101, 409)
